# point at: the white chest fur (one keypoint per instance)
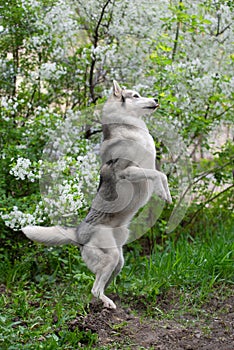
(132, 143)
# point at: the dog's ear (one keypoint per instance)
(117, 91)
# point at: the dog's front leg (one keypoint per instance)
(135, 174)
(164, 183)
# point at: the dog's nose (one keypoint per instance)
(156, 100)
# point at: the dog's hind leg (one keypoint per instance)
(103, 262)
(109, 264)
(118, 267)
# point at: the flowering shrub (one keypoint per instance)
(68, 186)
(16, 219)
(22, 170)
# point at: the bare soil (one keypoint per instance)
(130, 328)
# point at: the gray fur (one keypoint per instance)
(128, 178)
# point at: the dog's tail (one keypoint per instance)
(54, 235)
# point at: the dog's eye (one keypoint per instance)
(136, 96)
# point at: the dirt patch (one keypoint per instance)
(121, 328)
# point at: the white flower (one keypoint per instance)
(17, 219)
(23, 170)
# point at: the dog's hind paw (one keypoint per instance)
(108, 303)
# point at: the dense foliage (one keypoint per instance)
(57, 61)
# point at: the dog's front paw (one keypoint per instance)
(164, 191)
(169, 199)
(160, 191)
(162, 195)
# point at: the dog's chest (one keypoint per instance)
(140, 136)
(128, 142)
(146, 140)
(143, 144)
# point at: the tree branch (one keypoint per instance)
(176, 41)
(176, 35)
(95, 43)
(208, 201)
(220, 32)
(96, 32)
(204, 174)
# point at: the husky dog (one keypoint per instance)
(128, 178)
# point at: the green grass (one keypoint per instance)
(192, 264)
(43, 289)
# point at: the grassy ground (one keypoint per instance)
(45, 300)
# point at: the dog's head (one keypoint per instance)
(130, 103)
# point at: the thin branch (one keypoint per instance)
(205, 173)
(95, 43)
(201, 177)
(222, 113)
(207, 111)
(208, 201)
(89, 133)
(223, 30)
(176, 41)
(218, 24)
(205, 116)
(30, 109)
(96, 32)
(176, 35)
